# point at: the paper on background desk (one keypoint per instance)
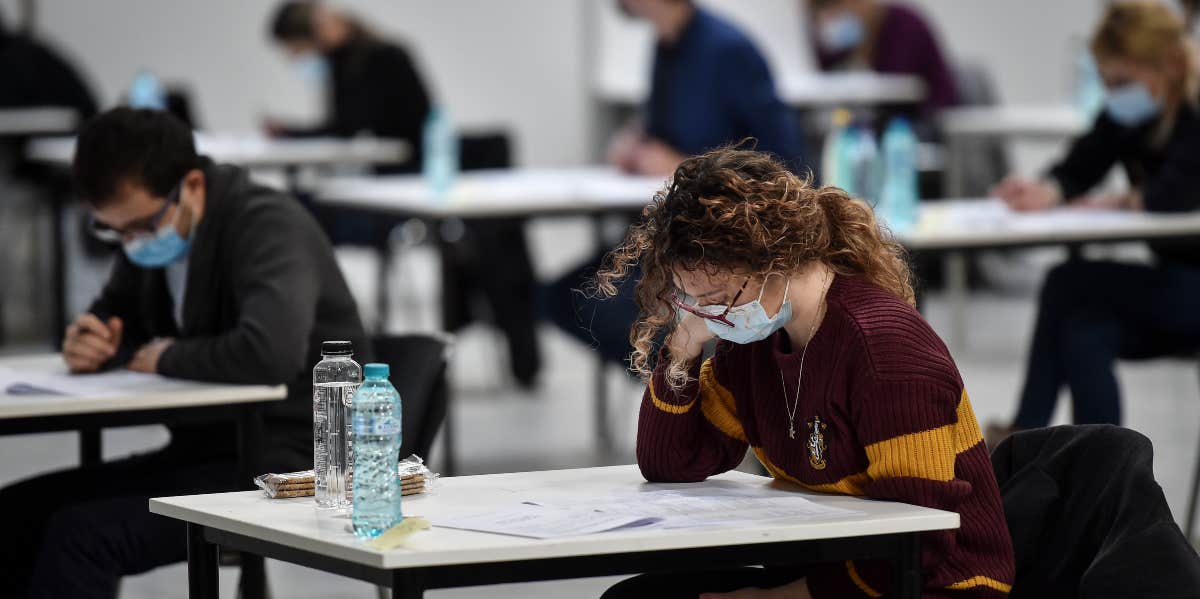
(678, 507)
(104, 384)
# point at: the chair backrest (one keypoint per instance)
(985, 160)
(418, 371)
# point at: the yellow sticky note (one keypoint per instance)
(396, 536)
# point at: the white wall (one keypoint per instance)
(524, 64)
(516, 63)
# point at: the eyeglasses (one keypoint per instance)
(696, 310)
(146, 226)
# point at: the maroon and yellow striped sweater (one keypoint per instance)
(895, 423)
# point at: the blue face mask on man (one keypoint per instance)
(1131, 105)
(163, 247)
(841, 32)
(311, 67)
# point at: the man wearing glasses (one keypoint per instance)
(219, 279)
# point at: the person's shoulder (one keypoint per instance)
(722, 35)
(905, 16)
(892, 338)
(250, 203)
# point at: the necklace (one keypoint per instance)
(794, 405)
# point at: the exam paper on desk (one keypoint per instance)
(653, 508)
(103, 384)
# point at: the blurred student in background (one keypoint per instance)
(374, 87)
(220, 280)
(36, 75)
(882, 37)
(1092, 313)
(710, 87)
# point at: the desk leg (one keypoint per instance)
(58, 319)
(906, 580)
(202, 565)
(89, 447)
(604, 436)
(408, 584)
(957, 291)
(250, 444)
(383, 295)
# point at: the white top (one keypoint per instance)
(256, 150)
(176, 275)
(1036, 121)
(965, 224)
(510, 192)
(295, 522)
(154, 393)
(804, 90)
(47, 120)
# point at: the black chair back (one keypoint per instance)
(418, 371)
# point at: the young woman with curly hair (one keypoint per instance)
(822, 367)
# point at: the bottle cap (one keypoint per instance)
(375, 371)
(336, 348)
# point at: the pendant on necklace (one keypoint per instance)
(791, 430)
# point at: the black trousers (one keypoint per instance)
(76, 532)
(1092, 313)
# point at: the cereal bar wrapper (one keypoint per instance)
(274, 484)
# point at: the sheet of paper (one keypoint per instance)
(104, 384)
(672, 507)
(542, 522)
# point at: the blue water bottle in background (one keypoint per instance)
(834, 161)
(898, 201)
(439, 152)
(865, 167)
(376, 417)
(146, 91)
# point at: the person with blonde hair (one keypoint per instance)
(821, 366)
(1092, 313)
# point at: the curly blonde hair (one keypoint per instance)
(744, 211)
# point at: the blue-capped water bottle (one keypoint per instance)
(439, 148)
(376, 417)
(898, 200)
(866, 176)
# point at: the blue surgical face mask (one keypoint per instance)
(159, 249)
(1131, 105)
(750, 320)
(841, 32)
(311, 67)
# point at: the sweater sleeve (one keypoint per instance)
(1173, 187)
(690, 434)
(1089, 159)
(276, 294)
(922, 441)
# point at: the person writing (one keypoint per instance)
(883, 37)
(822, 367)
(220, 280)
(1091, 313)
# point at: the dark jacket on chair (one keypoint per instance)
(1087, 518)
(263, 291)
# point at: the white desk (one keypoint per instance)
(258, 151)
(495, 193)
(1049, 122)
(804, 90)
(45, 120)
(291, 530)
(168, 398)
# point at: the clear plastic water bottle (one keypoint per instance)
(376, 415)
(335, 379)
(1089, 88)
(146, 91)
(865, 165)
(834, 162)
(439, 152)
(898, 201)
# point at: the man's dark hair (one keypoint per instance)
(149, 148)
(293, 22)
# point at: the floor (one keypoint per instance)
(503, 429)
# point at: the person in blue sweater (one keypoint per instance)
(710, 87)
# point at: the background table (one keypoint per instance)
(292, 530)
(159, 403)
(526, 193)
(41, 120)
(803, 90)
(1050, 122)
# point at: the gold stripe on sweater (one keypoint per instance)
(926, 454)
(669, 408)
(981, 581)
(718, 405)
(860, 583)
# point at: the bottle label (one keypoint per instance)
(376, 426)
